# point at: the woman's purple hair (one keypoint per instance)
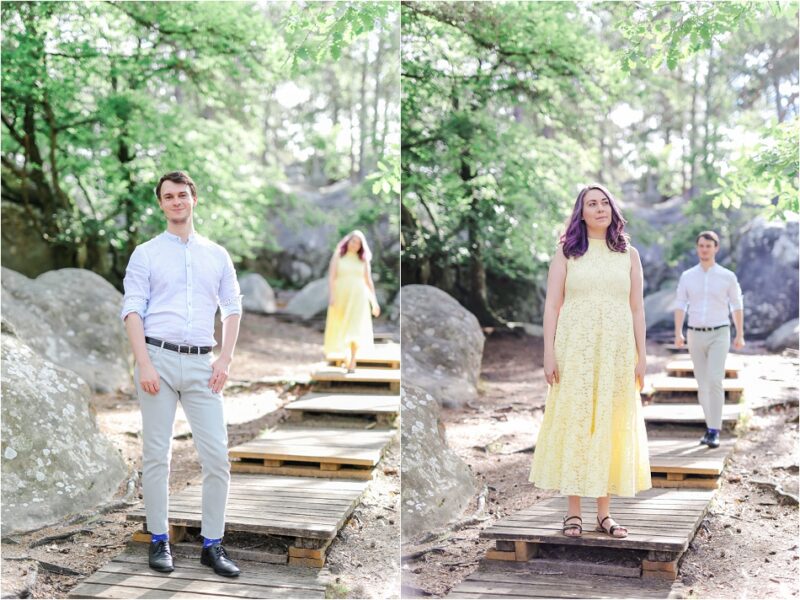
(575, 240)
(363, 252)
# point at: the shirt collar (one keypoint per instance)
(176, 238)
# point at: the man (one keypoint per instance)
(711, 293)
(173, 285)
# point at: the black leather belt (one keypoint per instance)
(178, 347)
(707, 328)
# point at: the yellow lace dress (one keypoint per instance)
(349, 318)
(593, 440)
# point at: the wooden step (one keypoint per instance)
(686, 413)
(384, 337)
(666, 389)
(311, 451)
(308, 509)
(128, 576)
(383, 355)
(492, 582)
(685, 368)
(327, 379)
(384, 407)
(659, 521)
(685, 463)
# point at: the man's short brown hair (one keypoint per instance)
(177, 177)
(708, 235)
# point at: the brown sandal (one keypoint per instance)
(610, 531)
(578, 526)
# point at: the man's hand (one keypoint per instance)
(738, 342)
(679, 339)
(149, 379)
(219, 375)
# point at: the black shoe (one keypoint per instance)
(704, 439)
(160, 557)
(215, 556)
(713, 440)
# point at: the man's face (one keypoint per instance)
(706, 249)
(177, 202)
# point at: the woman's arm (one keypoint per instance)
(552, 306)
(332, 277)
(637, 310)
(373, 298)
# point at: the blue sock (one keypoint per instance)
(160, 537)
(710, 430)
(207, 542)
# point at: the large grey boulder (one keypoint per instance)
(55, 461)
(785, 336)
(767, 267)
(71, 317)
(659, 308)
(442, 345)
(257, 294)
(437, 485)
(310, 301)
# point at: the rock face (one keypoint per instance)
(310, 301)
(442, 345)
(659, 312)
(54, 460)
(767, 268)
(785, 336)
(257, 293)
(437, 485)
(24, 250)
(71, 317)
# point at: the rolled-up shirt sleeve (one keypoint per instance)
(735, 298)
(682, 296)
(230, 299)
(136, 284)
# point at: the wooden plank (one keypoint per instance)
(258, 512)
(302, 471)
(687, 456)
(485, 583)
(680, 514)
(360, 375)
(686, 413)
(698, 482)
(685, 368)
(333, 445)
(665, 386)
(347, 403)
(382, 354)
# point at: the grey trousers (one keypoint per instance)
(709, 350)
(183, 377)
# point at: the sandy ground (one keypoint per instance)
(364, 558)
(746, 547)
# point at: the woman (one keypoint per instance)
(593, 440)
(351, 292)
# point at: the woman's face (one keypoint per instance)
(596, 209)
(354, 244)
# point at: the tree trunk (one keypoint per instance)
(362, 113)
(693, 131)
(377, 97)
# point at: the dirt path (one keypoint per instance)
(749, 539)
(365, 555)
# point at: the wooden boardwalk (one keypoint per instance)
(299, 507)
(685, 463)
(385, 355)
(659, 521)
(316, 452)
(685, 368)
(383, 407)
(672, 389)
(330, 378)
(488, 582)
(128, 576)
(686, 413)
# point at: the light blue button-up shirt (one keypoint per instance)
(708, 296)
(176, 288)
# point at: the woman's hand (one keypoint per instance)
(376, 311)
(550, 369)
(639, 371)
